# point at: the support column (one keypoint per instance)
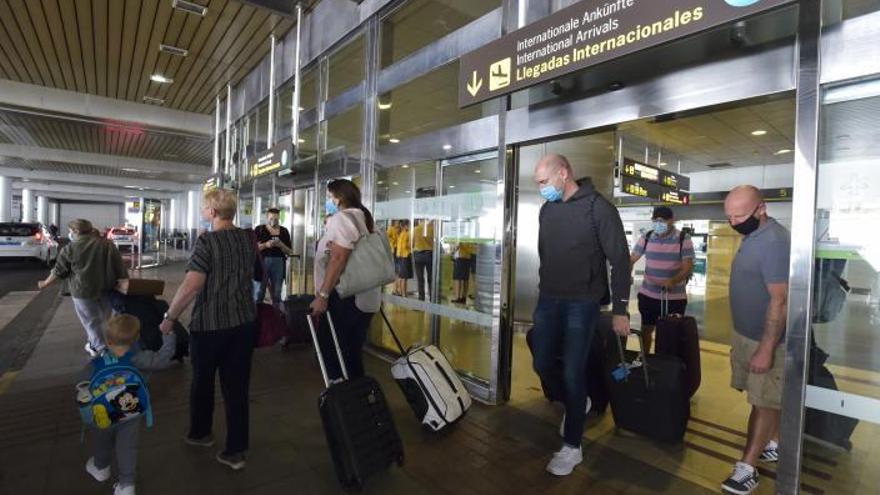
(5, 199)
(193, 207)
(27, 205)
(43, 210)
(55, 214)
(172, 214)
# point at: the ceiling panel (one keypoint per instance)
(111, 47)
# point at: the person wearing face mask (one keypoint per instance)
(580, 233)
(669, 262)
(275, 244)
(348, 220)
(758, 304)
(91, 265)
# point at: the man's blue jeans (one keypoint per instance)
(274, 267)
(565, 327)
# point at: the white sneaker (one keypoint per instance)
(564, 461)
(123, 489)
(742, 481)
(586, 411)
(101, 475)
(770, 453)
(92, 352)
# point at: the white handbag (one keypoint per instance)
(370, 265)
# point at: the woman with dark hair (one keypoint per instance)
(347, 221)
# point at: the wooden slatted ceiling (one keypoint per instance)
(111, 47)
(56, 133)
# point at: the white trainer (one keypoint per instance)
(92, 352)
(101, 475)
(119, 489)
(564, 461)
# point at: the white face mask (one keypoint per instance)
(73, 236)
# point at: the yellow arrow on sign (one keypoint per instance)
(474, 85)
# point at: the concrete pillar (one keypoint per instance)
(172, 214)
(55, 214)
(27, 205)
(43, 210)
(193, 211)
(5, 199)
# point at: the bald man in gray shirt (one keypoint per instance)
(758, 303)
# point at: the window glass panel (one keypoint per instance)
(344, 136)
(420, 22)
(309, 90)
(427, 103)
(262, 126)
(837, 10)
(346, 67)
(284, 113)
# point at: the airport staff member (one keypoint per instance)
(758, 303)
(669, 262)
(579, 233)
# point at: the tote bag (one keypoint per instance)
(370, 265)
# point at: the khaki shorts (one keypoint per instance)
(764, 389)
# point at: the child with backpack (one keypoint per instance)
(114, 399)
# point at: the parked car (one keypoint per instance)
(27, 240)
(123, 237)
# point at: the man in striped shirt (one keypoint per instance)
(669, 262)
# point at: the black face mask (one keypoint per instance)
(750, 225)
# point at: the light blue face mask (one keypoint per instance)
(661, 227)
(330, 207)
(205, 225)
(550, 193)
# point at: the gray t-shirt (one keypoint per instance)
(762, 259)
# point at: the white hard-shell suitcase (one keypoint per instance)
(430, 384)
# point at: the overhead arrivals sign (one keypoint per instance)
(275, 159)
(650, 182)
(586, 34)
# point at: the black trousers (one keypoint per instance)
(352, 326)
(424, 262)
(228, 351)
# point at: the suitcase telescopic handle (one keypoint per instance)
(317, 346)
(393, 333)
(642, 353)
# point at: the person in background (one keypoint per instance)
(669, 262)
(273, 241)
(462, 260)
(123, 332)
(348, 220)
(758, 304)
(223, 326)
(392, 233)
(91, 265)
(579, 233)
(404, 259)
(423, 254)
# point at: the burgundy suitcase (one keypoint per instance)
(678, 335)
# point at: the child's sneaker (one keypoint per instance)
(120, 489)
(101, 475)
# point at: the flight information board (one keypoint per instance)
(646, 181)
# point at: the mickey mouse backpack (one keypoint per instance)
(116, 393)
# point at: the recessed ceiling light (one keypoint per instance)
(153, 101)
(395, 184)
(301, 140)
(173, 50)
(783, 152)
(408, 191)
(447, 147)
(25, 180)
(380, 182)
(405, 166)
(384, 106)
(159, 78)
(301, 109)
(130, 187)
(663, 164)
(759, 132)
(394, 140)
(451, 187)
(477, 171)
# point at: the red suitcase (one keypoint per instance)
(678, 335)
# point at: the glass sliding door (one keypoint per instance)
(842, 417)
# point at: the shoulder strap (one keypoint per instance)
(349, 215)
(593, 223)
(647, 238)
(680, 243)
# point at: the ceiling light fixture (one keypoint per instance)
(395, 184)
(447, 147)
(130, 187)
(408, 191)
(663, 164)
(189, 7)
(153, 101)
(173, 50)
(451, 187)
(384, 106)
(394, 140)
(759, 132)
(784, 151)
(159, 78)
(405, 166)
(380, 182)
(477, 171)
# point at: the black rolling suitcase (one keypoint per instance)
(296, 310)
(678, 335)
(358, 424)
(649, 398)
